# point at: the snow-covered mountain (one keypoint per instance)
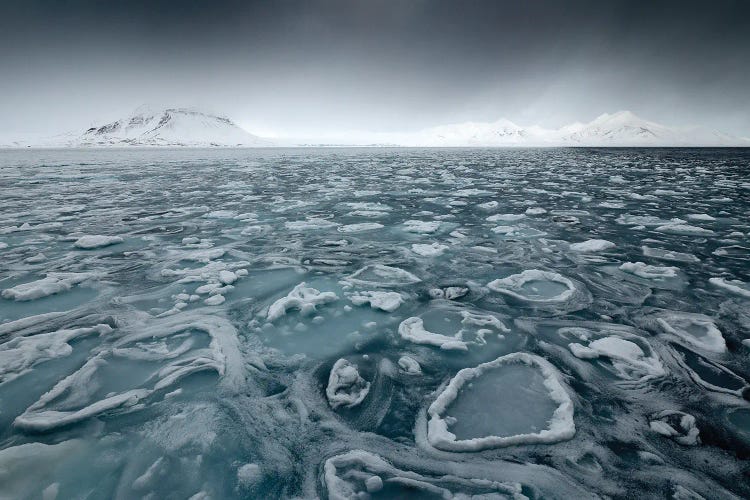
(169, 127)
(618, 129)
(147, 126)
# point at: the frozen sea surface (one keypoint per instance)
(375, 323)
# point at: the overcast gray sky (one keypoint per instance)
(302, 67)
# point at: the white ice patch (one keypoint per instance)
(505, 217)
(302, 297)
(535, 211)
(560, 425)
(309, 224)
(592, 246)
(361, 227)
(20, 354)
(532, 285)
(409, 365)
(736, 287)
(676, 425)
(412, 329)
(626, 357)
(670, 255)
(90, 242)
(704, 217)
(385, 301)
(429, 250)
(420, 226)
(50, 285)
(381, 275)
(696, 329)
(684, 229)
(643, 270)
(345, 386)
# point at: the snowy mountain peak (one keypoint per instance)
(149, 126)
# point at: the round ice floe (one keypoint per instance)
(382, 276)
(90, 242)
(385, 301)
(429, 250)
(302, 297)
(696, 329)
(345, 386)
(737, 287)
(516, 399)
(534, 285)
(592, 246)
(643, 270)
(676, 425)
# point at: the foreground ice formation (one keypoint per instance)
(520, 401)
(345, 386)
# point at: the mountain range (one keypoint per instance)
(188, 127)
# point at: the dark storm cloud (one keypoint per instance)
(378, 64)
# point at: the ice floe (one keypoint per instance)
(53, 283)
(507, 417)
(429, 249)
(592, 246)
(696, 329)
(345, 386)
(303, 298)
(676, 425)
(533, 285)
(647, 271)
(385, 301)
(381, 275)
(90, 242)
(736, 287)
(412, 329)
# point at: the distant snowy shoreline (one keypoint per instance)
(190, 128)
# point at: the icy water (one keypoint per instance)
(374, 323)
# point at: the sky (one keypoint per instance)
(295, 68)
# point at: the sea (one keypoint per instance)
(356, 323)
